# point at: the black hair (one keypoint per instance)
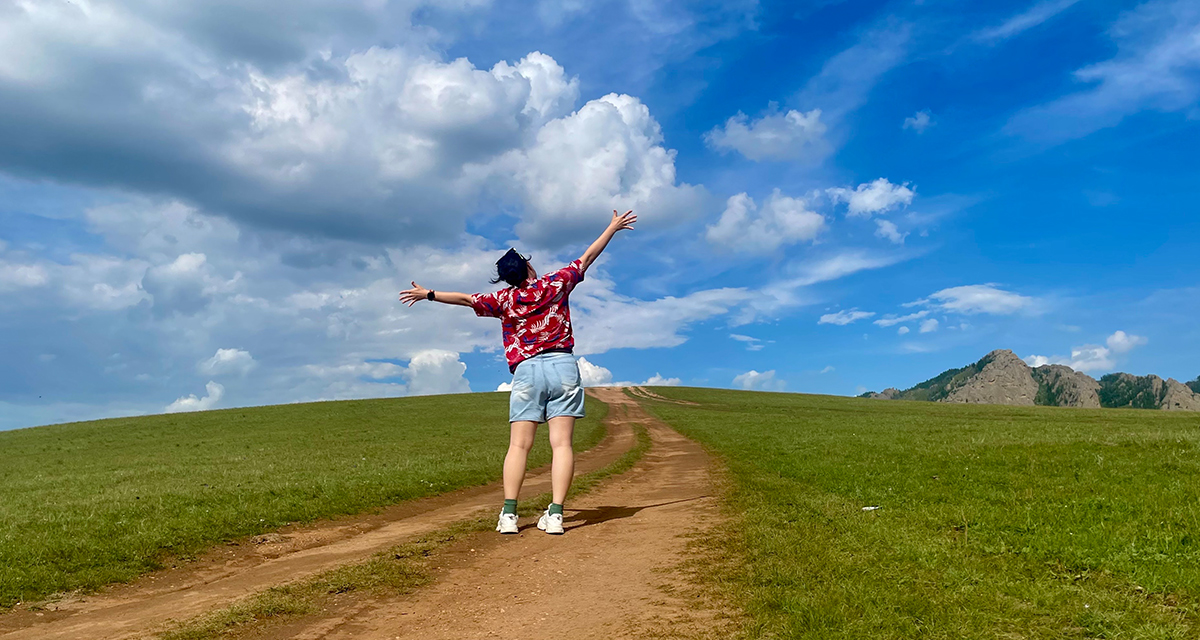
(512, 268)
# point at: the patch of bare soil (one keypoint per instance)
(614, 574)
(642, 392)
(249, 566)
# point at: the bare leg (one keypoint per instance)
(562, 469)
(520, 441)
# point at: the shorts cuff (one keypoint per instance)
(571, 414)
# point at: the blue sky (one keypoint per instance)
(207, 205)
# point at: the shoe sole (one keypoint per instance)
(542, 527)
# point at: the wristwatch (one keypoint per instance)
(429, 296)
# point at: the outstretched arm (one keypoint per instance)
(619, 222)
(418, 293)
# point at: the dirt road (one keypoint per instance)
(607, 577)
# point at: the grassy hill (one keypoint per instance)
(940, 386)
(1000, 377)
(89, 503)
(993, 521)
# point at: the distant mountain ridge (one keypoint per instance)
(1001, 377)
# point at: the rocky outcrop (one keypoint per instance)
(1180, 397)
(1003, 378)
(1062, 386)
(1125, 391)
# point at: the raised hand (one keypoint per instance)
(413, 295)
(619, 222)
(622, 221)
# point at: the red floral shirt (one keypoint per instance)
(535, 316)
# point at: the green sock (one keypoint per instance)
(555, 508)
(510, 506)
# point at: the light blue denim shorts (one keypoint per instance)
(546, 386)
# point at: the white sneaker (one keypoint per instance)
(507, 523)
(551, 523)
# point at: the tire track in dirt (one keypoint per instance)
(612, 575)
(226, 575)
(646, 394)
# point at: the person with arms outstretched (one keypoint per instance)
(539, 345)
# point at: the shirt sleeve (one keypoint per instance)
(486, 305)
(571, 275)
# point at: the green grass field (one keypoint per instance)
(91, 503)
(994, 522)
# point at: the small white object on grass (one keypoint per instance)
(871, 508)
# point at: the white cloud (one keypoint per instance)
(775, 136)
(1038, 361)
(1086, 358)
(354, 379)
(1090, 358)
(399, 137)
(605, 319)
(161, 231)
(878, 196)
(1154, 69)
(890, 319)
(84, 282)
(228, 361)
(594, 375)
(551, 92)
(781, 221)
(429, 372)
(658, 381)
(887, 230)
(844, 317)
(338, 299)
(186, 284)
(918, 122)
(982, 298)
(436, 371)
(608, 155)
(1121, 342)
(754, 381)
(840, 266)
(929, 326)
(902, 330)
(827, 369)
(787, 292)
(504, 386)
(1093, 357)
(752, 343)
(1032, 17)
(192, 403)
(198, 93)
(379, 144)
(21, 276)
